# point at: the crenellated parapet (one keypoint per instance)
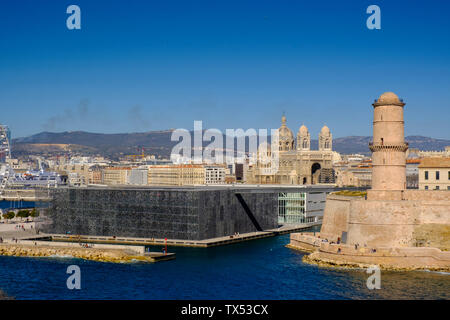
(400, 147)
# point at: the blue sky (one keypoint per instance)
(151, 65)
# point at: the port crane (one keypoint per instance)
(5, 156)
(142, 155)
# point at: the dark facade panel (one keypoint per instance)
(176, 214)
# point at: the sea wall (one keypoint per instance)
(133, 250)
(393, 223)
(387, 258)
(389, 223)
(95, 254)
(304, 242)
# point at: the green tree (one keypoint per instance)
(9, 215)
(34, 213)
(23, 213)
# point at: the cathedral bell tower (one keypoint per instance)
(325, 139)
(303, 139)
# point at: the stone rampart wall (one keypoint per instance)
(392, 223)
(416, 195)
(420, 195)
(335, 219)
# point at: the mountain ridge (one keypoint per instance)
(159, 143)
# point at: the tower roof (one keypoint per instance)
(325, 130)
(388, 98)
(303, 131)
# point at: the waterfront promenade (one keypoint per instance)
(185, 243)
(27, 242)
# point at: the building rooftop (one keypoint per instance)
(435, 163)
(231, 187)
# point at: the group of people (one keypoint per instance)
(22, 227)
(86, 245)
(339, 241)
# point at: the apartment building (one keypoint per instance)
(215, 174)
(186, 174)
(115, 175)
(434, 174)
(176, 175)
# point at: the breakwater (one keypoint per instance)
(101, 253)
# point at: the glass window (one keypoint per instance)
(426, 187)
(426, 175)
(437, 175)
(437, 187)
(291, 208)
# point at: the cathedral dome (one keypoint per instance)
(285, 134)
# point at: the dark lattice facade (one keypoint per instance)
(173, 213)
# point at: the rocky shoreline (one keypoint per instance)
(100, 255)
(343, 256)
(312, 258)
(4, 296)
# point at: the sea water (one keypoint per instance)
(259, 269)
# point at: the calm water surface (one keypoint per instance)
(16, 204)
(261, 269)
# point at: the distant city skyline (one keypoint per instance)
(140, 66)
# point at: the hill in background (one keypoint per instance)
(158, 143)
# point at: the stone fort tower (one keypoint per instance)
(392, 227)
(388, 146)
